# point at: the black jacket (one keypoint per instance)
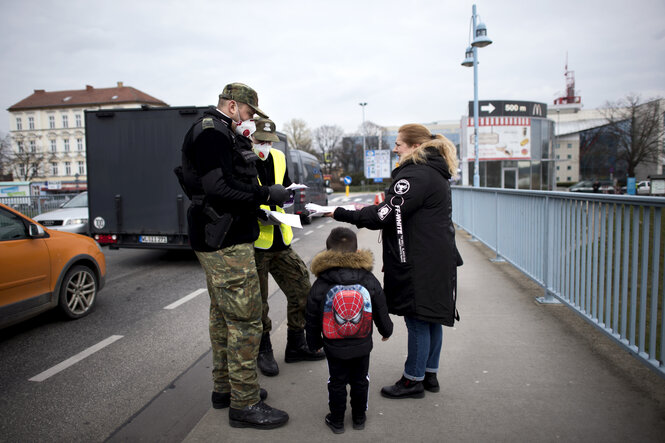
(420, 265)
(221, 166)
(334, 269)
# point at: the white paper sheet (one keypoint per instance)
(318, 209)
(275, 218)
(294, 186)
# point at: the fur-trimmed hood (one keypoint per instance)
(362, 259)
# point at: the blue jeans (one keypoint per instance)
(424, 347)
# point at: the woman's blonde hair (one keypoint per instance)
(415, 134)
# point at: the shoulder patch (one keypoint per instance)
(207, 123)
(402, 186)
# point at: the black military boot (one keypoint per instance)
(404, 388)
(431, 383)
(221, 400)
(259, 416)
(266, 360)
(297, 349)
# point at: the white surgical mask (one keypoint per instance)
(262, 150)
(246, 128)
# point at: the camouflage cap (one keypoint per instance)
(265, 130)
(242, 93)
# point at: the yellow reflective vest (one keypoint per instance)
(266, 231)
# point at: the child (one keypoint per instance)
(342, 303)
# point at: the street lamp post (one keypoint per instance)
(480, 40)
(362, 105)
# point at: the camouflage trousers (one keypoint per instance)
(235, 321)
(290, 274)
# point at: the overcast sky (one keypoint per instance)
(317, 60)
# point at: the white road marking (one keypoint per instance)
(308, 232)
(185, 299)
(330, 221)
(319, 227)
(75, 359)
(295, 240)
(357, 199)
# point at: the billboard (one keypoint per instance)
(377, 163)
(501, 138)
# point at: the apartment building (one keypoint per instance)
(47, 131)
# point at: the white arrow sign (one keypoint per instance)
(489, 108)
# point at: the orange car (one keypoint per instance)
(41, 269)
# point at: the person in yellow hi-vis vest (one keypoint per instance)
(273, 254)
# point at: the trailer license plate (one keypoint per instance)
(152, 239)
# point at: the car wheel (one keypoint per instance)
(305, 219)
(78, 292)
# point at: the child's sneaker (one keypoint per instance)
(337, 428)
(359, 422)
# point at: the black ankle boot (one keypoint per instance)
(431, 383)
(297, 349)
(221, 400)
(259, 415)
(266, 360)
(404, 388)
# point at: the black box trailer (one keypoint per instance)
(134, 198)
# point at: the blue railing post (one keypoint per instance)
(547, 297)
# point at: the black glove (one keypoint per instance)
(278, 194)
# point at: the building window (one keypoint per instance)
(21, 171)
(558, 145)
(20, 147)
(81, 168)
(78, 120)
(570, 178)
(31, 123)
(569, 168)
(66, 141)
(569, 156)
(557, 168)
(68, 168)
(33, 147)
(19, 124)
(54, 147)
(557, 156)
(65, 122)
(51, 121)
(79, 144)
(54, 168)
(570, 145)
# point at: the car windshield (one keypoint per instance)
(80, 201)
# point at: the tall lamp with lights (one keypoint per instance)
(480, 40)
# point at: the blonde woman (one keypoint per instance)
(420, 258)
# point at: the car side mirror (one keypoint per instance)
(36, 231)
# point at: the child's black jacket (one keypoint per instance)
(344, 268)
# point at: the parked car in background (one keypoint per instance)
(644, 187)
(304, 168)
(71, 217)
(604, 186)
(41, 269)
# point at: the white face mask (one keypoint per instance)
(262, 150)
(246, 128)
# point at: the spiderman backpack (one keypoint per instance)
(347, 312)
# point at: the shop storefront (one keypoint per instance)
(514, 145)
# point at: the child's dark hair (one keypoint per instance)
(342, 240)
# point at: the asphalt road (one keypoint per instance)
(138, 363)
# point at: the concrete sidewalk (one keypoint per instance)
(511, 370)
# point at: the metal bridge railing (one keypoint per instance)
(602, 255)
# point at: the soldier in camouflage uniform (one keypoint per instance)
(274, 255)
(219, 176)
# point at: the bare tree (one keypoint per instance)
(373, 135)
(5, 157)
(298, 135)
(27, 165)
(328, 140)
(637, 129)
